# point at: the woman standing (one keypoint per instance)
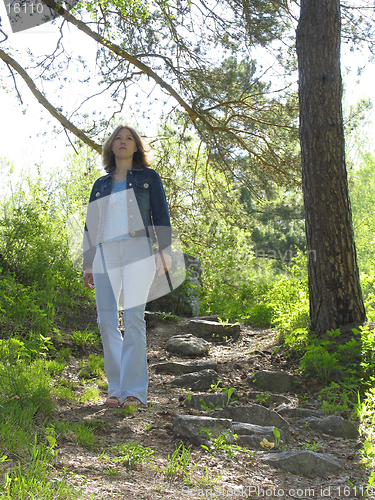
(127, 212)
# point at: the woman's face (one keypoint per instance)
(123, 145)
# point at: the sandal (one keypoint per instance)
(113, 401)
(131, 401)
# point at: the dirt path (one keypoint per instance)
(218, 474)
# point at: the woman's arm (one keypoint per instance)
(91, 228)
(163, 263)
(88, 278)
(160, 214)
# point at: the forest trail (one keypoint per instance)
(101, 471)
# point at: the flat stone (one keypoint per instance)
(212, 317)
(199, 381)
(333, 425)
(187, 345)
(253, 414)
(212, 401)
(214, 331)
(177, 368)
(305, 462)
(252, 435)
(267, 399)
(191, 426)
(286, 411)
(272, 381)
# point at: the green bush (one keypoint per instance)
(318, 362)
(31, 477)
(257, 292)
(37, 281)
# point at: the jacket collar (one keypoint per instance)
(136, 169)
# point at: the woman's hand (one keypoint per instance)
(88, 278)
(163, 263)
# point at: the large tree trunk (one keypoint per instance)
(335, 292)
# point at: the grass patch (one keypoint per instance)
(54, 367)
(89, 394)
(25, 392)
(64, 355)
(65, 393)
(92, 367)
(128, 454)
(83, 434)
(179, 462)
(33, 478)
(86, 337)
(126, 411)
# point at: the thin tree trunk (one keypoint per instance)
(335, 292)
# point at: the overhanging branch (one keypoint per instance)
(45, 103)
(194, 116)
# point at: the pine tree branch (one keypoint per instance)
(194, 116)
(46, 104)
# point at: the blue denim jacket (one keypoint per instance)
(151, 205)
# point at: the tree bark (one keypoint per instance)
(334, 287)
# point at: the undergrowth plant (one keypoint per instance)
(179, 462)
(26, 391)
(318, 362)
(208, 478)
(128, 454)
(83, 434)
(86, 337)
(31, 477)
(347, 372)
(92, 367)
(259, 291)
(346, 369)
(224, 443)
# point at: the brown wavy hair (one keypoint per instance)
(141, 157)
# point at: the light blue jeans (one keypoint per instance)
(126, 264)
